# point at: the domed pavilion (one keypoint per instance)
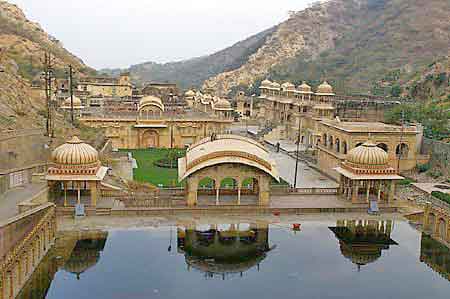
(366, 175)
(76, 171)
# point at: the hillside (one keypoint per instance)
(193, 72)
(353, 43)
(23, 44)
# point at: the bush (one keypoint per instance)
(405, 182)
(435, 173)
(441, 196)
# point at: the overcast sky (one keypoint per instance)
(118, 33)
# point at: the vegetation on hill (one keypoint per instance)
(433, 115)
(378, 45)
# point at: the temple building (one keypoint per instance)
(366, 175)
(77, 105)
(76, 173)
(362, 241)
(230, 165)
(293, 114)
(106, 87)
(223, 251)
(152, 125)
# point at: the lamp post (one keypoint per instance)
(300, 123)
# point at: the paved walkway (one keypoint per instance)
(307, 177)
(286, 145)
(10, 200)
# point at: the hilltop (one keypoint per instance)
(355, 44)
(23, 44)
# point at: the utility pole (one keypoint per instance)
(71, 94)
(48, 76)
(300, 124)
(400, 149)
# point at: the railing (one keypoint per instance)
(279, 189)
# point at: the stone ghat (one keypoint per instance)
(220, 210)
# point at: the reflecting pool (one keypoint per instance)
(340, 259)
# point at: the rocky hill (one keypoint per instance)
(353, 43)
(193, 72)
(23, 44)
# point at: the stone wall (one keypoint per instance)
(440, 153)
(22, 152)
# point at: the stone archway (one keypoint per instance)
(150, 139)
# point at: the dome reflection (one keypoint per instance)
(362, 241)
(224, 252)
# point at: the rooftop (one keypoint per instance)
(368, 127)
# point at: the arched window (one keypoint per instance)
(402, 151)
(325, 139)
(344, 147)
(383, 146)
(338, 145)
(330, 142)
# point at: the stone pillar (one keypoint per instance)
(94, 193)
(65, 193)
(78, 193)
(355, 193)
(391, 191)
(239, 195)
(217, 195)
(191, 186)
(367, 191)
(264, 191)
(379, 192)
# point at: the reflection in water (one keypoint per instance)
(362, 241)
(435, 255)
(222, 253)
(85, 255)
(74, 253)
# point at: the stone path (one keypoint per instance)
(307, 177)
(10, 200)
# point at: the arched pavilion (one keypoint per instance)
(77, 170)
(240, 160)
(366, 174)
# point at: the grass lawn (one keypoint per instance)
(148, 172)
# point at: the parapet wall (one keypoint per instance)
(22, 152)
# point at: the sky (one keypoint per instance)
(119, 33)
